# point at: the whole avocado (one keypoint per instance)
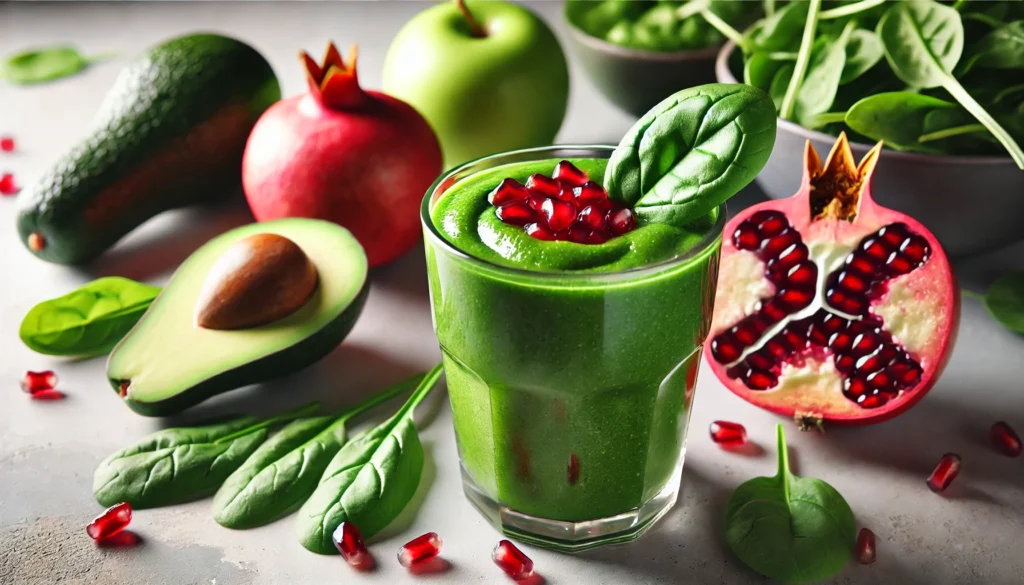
(169, 133)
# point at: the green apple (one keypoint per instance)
(488, 77)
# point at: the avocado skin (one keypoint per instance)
(289, 360)
(169, 133)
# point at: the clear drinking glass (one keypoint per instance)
(570, 392)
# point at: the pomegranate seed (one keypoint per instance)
(565, 194)
(541, 185)
(559, 214)
(35, 382)
(540, 232)
(422, 548)
(865, 549)
(7, 185)
(573, 469)
(854, 388)
(873, 401)
(875, 249)
(536, 202)
(592, 217)
(916, 249)
(1005, 439)
(861, 264)
(349, 542)
(598, 237)
(724, 349)
(852, 282)
(508, 191)
(6, 144)
(845, 364)
(579, 234)
(727, 433)
(113, 520)
(772, 311)
(510, 559)
(758, 380)
(772, 226)
(744, 333)
(763, 216)
(772, 247)
(945, 472)
(516, 214)
(898, 264)
(894, 234)
(621, 221)
(761, 360)
(745, 237)
(567, 174)
(589, 193)
(803, 274)
(795, 299)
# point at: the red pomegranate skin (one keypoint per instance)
(359, 158)
(919, 309)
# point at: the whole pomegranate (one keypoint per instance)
(831, 307)
(358, 158)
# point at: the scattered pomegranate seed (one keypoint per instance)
(728, 433)
(113, 520)
(422, 548)
(516, 565)
(574, 469)
(865, 549)
(1005, 439)
(7, 185)
(6, 144)
(350, 544)
(945, 472)
(35, 382)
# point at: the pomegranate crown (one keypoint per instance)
(334, 84)
(836, 189)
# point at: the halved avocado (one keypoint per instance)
(168, 362)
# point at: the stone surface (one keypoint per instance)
(48, 450)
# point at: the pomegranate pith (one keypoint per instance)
(567, 206)
(831, 307)
(1005, 439)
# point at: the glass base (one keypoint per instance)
(574, 537)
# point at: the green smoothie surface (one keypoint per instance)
(467, 220)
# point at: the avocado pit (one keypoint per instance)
(258, 280)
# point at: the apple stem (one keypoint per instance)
(474, 27)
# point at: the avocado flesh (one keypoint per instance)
(171, 363)
(169, 133)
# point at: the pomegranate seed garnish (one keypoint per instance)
(574, 469)
(746, 238)
(113, 520)
(6, 144)
(621, 221)
(546, 186)
(540, 232)
(589, 193)
(945, 472)
(559, 214)
(508, 191)
(516, 213)
(1005, 439)
(579, 234)
(350, 544)
(422, 548)
(567, 174)
(510, 559)
(592, 218)
(728, 433)
(865, 549)
(7, 185)
(35, 382)
(598, 237)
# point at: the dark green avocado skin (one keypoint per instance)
(302, 354)
(169, 133)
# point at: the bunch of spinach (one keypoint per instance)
(921, 75)
(88, 321)
(660, 25)
(285, 470)
(789, 528)
(370, 480)
(181, 464)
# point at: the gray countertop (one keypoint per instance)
(48, 450)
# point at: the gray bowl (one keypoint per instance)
(636, 80)
(971, 203)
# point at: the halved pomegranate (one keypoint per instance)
(831, 307)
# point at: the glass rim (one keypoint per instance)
(450, 177)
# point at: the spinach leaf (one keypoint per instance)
(818, 91)
(41, 65)
(285, 470)
(760, 68)
(692, 151)
(370, 480)
(863, 51)
(1005, 301)
(1003, 48)
(181, 464)
(802, 60)
(923, 41)
(898, 118)
(796, 530)
(777, 90)
(88, 321)
(781, 30)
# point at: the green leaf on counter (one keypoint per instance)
(44, 64)
(1005, 301)
(89, 321)
(796, 530)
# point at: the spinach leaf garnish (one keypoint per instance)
(45, 64)
(794, 529)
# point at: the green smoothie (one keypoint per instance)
(570, 366)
